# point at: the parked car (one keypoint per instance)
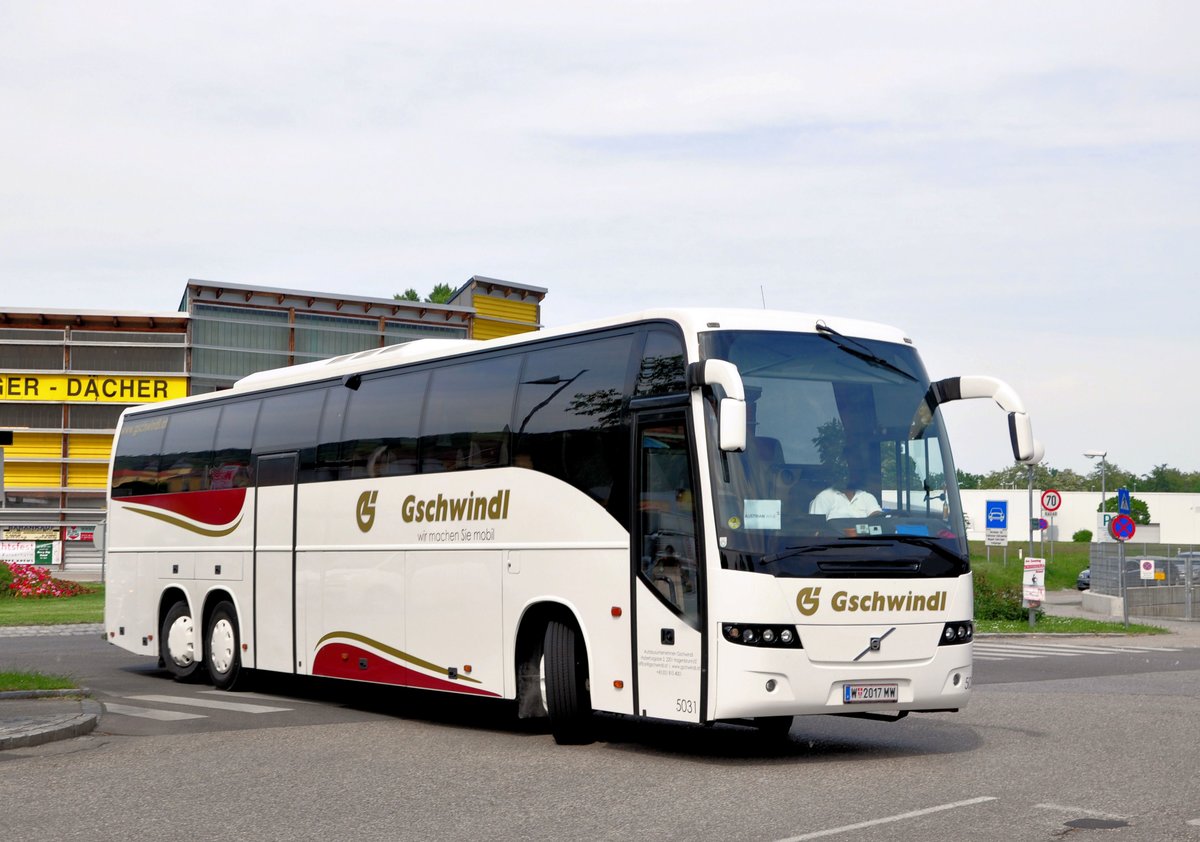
(1084, 580)
(1180, 563)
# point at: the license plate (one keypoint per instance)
(866, 693)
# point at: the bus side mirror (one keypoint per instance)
(1026, 449)
(726, 383)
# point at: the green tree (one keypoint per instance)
(441, 294)
(968, 480)
(1138, 510)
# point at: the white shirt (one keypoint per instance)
(834, 503)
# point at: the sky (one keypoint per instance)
(1015, 184)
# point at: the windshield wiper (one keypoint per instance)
(924, 541)
(856, 349)
(791, 552)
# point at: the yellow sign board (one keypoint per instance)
(90, 388)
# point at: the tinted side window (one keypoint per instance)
(379, 437)
(135, 464)
(569, 417)
(663, 371)
(231, 451)
(326, 462)
(467, 415)
(187, 450)
(289, 421)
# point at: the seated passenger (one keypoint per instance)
(845, 500)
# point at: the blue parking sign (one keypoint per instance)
(997, 514)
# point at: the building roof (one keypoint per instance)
(319, 302)
(90, 319)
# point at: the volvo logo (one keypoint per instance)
(366, 510)
(876, 643)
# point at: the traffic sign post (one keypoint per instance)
(995, 522)
(1122, 528)
(1051, 500)
(1033, 585)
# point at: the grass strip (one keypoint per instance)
(1063, 625)
(34, 681)
(85, 608)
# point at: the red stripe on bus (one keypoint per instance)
(341, 660)
(214, 508)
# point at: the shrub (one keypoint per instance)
(998, 602)
(1083, 536)
(6, 578)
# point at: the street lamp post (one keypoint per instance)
(1102, 456)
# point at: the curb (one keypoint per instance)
(45, 694)
(45, 729)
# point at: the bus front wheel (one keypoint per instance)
(565, 678)
(176, 642)
(224, 647)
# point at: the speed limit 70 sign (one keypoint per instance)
(1051, 500)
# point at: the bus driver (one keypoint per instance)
(845, 500)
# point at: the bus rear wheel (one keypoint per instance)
(175, 640)
(223, 649)
(567, 692)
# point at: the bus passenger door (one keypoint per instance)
(668, 576)
(274, 632)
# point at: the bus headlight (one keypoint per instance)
(762, 635)
(953, 634)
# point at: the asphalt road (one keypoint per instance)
(1057, 738)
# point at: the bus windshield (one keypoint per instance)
(832, 483)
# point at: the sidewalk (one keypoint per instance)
(30, 718)
(1069, 603)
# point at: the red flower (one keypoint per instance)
(30, 581)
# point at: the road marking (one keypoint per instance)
(1000, 652)
(1037, 652)
(225, 694)
(995, 650)
(151, 713)
(889, 819)
(240, 707)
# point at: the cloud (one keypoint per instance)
(1004, 182)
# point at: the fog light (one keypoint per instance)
(962, 632)
(768, 636)
(949, 633)
(748, 635)
(771, 685)
(787, 636)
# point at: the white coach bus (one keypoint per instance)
(684, 515)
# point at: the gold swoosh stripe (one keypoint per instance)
(190, 527)
(395, 653)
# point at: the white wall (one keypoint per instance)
(1178, 515)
